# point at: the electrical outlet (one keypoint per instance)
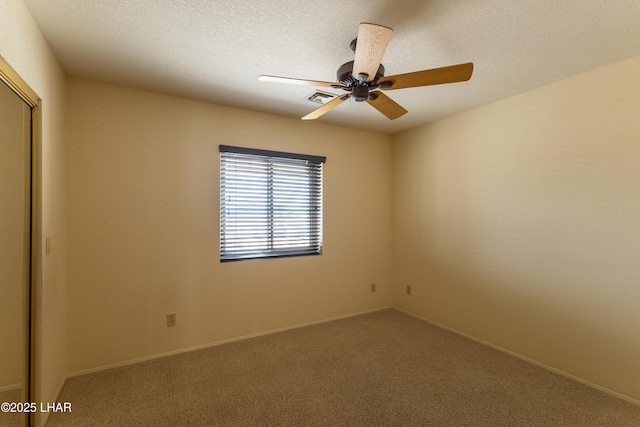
(171, 319)
(408, 289)
(373, 287)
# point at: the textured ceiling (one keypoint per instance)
(214, 50)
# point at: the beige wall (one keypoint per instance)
(144, 226)
(518, 223)
(24, 48)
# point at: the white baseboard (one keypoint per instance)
(526, 359)
(216, 343)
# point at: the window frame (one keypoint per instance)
(272, 221)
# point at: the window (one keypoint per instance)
(270, 204)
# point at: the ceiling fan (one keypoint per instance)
(363, 76)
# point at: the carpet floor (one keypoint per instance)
(379, 369)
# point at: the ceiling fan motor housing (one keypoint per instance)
(359, 90)
(345, 73)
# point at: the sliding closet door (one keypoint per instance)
(15, 253)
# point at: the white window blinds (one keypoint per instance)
(270, 204)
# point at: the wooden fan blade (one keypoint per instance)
(386, 106)
(326, 107)
(370, 47)
(436, 76)
(303, 82)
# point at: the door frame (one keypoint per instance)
(9, 76)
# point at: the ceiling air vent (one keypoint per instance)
(320, 97)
